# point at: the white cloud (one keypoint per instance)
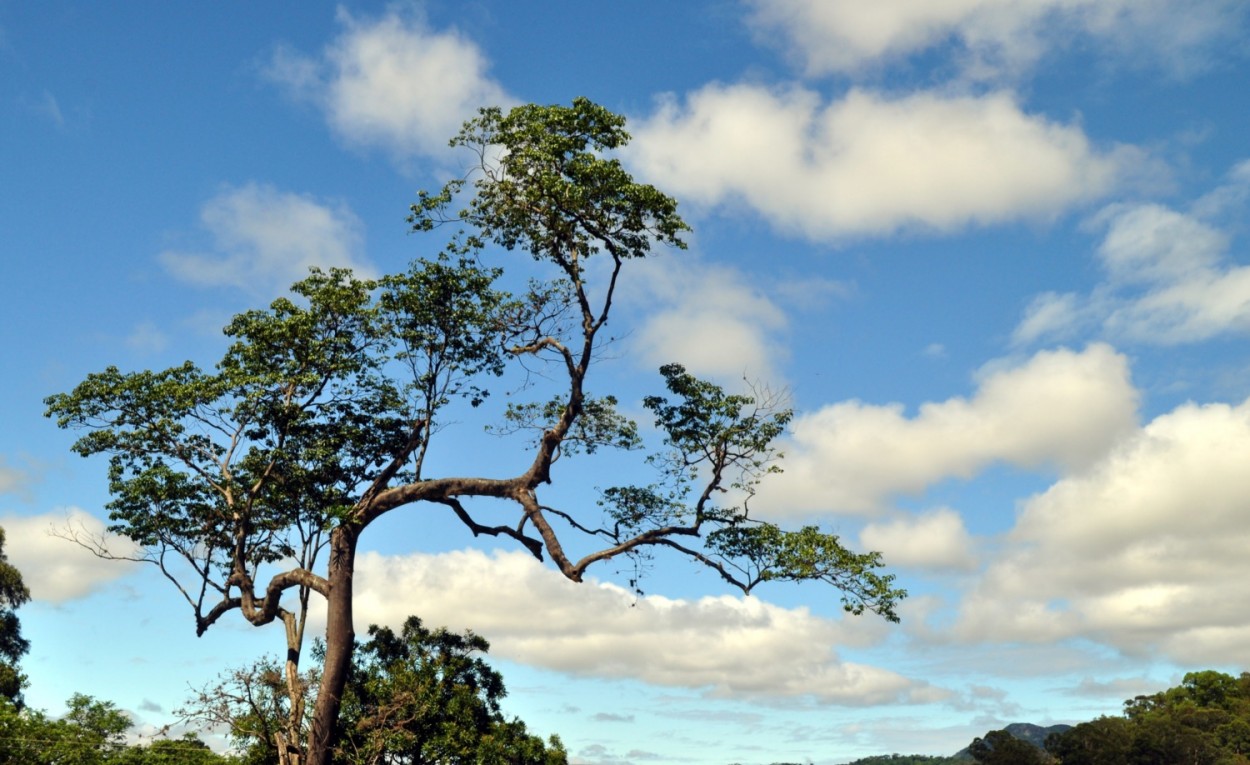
(708, 318)
(1061, 407)
(870, 164)
(146, 337)
(1168, 278)
(993, 38)
(1189, 294)
(1050, 315)
(730, 646)
(47, 107)
(266, 239)
(1145, 551)
(935, 540)
(56, 569)
(393, 82)
(1115, 689)
(1150, 244)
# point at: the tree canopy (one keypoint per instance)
(257, 478)
(1205, 721)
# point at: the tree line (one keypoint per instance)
(1203, 721)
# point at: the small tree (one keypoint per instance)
(320, 418)
(13, 593)
(418, 696)
(999, 747)
(90, 732)
(254, 704)
(428, 696)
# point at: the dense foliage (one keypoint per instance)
(428, 696)
(91, 732)
(1203, 721)
(420, 696)
(1000, 747)
(13, 593)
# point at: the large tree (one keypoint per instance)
(13, 593)
(259, 477)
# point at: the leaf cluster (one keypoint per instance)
(547, 187)
(319, 397)
(717, 448)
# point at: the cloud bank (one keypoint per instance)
(936, 541)
(1144, 551)
(738, 647)
(56, 569)
(992, 38)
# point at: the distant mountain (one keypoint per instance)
(907, 759)
(1034, 734)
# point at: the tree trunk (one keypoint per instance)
(340, 641)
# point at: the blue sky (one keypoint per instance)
(995, 254)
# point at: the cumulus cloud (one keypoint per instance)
(870, 164)
(1168, 276)
(1144, 551)
(707, 317)
(56, 569)
(266, 239)
(730, 646)
(392, 82)
(1060, 407)
(935, 540)
(992, 38)
(146, 337)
